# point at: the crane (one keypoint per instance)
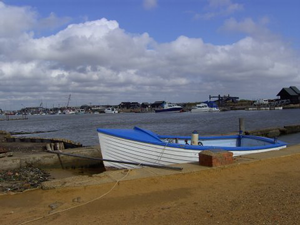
(69, 99)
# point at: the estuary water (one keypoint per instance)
(83, 128)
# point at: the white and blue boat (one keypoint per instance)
(169, 107)
(207, 106)
(145, 147)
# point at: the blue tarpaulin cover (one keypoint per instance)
(211, 104)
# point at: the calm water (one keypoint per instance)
(82, 128)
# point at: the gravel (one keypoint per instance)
(19, 180)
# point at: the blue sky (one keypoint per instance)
(172, 18)
(108, 51)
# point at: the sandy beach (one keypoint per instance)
(257, 192)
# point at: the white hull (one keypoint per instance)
(205, 110)
(111, 110)
(200, 110)
(120, 149)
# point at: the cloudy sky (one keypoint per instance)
(109, 51)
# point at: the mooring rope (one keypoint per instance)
(162, 152)
(73, 207)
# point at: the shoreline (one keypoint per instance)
(186, 109)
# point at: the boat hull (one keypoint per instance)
(116, 148)
(205, 110)
(205, 107)
(165, 153)
(111, 111)
(170, 110)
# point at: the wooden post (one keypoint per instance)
(57, 146)
(48, 147)
(241, 125)
(62, 146)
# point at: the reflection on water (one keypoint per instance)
(83, 128)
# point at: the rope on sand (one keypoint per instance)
(73, 207)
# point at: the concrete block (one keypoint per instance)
(10, 163)
(215, 157)
(273, 133)
(283, 131)
(38, 140)
(47, 160)
(292, 129)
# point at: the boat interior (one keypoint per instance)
(226, 141)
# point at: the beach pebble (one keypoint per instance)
(55, 205)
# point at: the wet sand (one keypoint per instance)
(259, 192)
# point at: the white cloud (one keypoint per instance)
(250, 27)
(15, 20)
(149, 4)
(99, 62)
(52, 22)
(218, 8)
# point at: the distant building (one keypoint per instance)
(129, 105)
(145, 105)
(158, 104)
(32, 110)
(291, 94)
(86, 107)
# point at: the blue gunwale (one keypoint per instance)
(146, 136)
